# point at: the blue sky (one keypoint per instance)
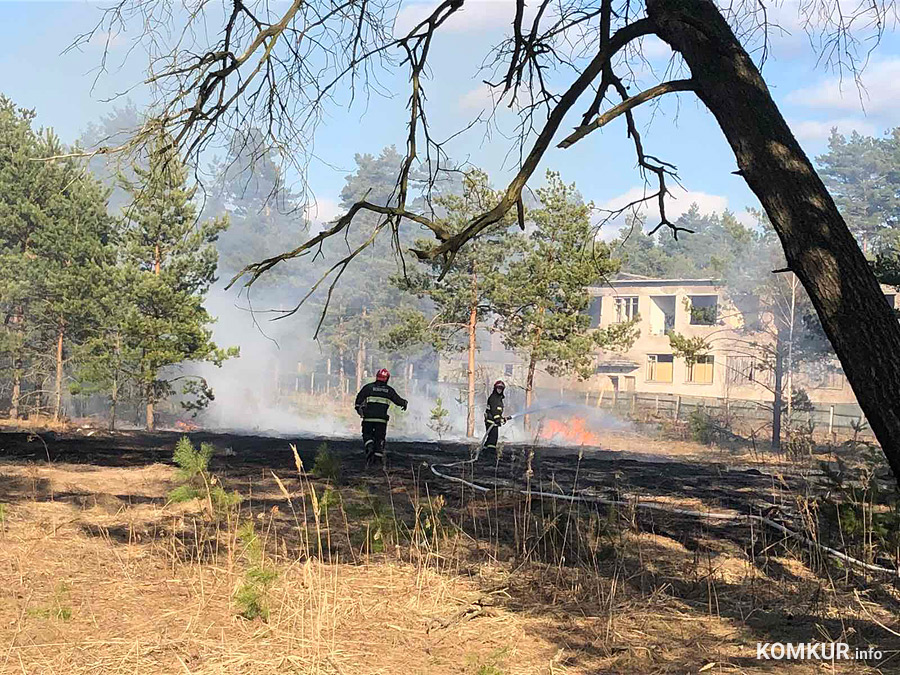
(35, 73)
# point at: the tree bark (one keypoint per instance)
(57, 392)
(529, 386)
(778, 402)
(470, 419)
(818, 246)
(472, 332)
(114, 394)
(114, 400)
(16, 392)
(360, 362)
(149, 416)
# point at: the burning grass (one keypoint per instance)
(387, 573)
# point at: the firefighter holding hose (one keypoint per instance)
(493, 416)
(372, 404)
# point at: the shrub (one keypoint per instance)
(703, 429)
(251, 597)
(438, 420)
(326, 465)
(191, 463)
(193, 469)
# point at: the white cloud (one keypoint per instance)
(820, 130)
(475, 15)
(878, 95)
(677, 203)
(323, 210)
(479, 98)
(655, 49)
(107, 40)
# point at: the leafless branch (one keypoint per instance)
(625, 106)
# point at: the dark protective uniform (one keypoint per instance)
(372, 404)
(493, 419)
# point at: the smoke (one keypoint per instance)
(266, 391)
(260, 391)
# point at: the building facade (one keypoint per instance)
(734, 367)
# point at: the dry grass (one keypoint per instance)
(95, 582)
(136, 608)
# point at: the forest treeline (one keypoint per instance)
(106, 269)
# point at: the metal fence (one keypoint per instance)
(831, 418)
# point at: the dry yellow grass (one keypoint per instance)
(93, 583)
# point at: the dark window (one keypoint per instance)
(594, 311)
(704, 310)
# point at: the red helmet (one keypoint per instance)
(382, 375)
(499, 385)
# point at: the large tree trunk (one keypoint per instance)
(149, 416)
(472, 326)
(57, 392)
(778, 402)
(470, 372)
(818, 246)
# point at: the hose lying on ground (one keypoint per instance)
(712, 515)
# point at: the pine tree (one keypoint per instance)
(542, 299)
(168, 264)
(264, 213)
(73, 256)
(861, 174)
(54, 248)
(459, 301)
(20, 217)
(365, 304)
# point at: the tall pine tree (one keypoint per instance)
(459, 299)
(168, 264)
(542, 299)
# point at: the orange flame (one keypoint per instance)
(186, 426)
(573, 431)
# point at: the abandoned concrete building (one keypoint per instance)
(733, 368)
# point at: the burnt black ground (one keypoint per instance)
(606, 473)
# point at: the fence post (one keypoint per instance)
(831, 420)
(615, 398)
(657, 406)
(312, 382)
(677, 407)
(633, 402)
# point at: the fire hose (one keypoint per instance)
(653, 506)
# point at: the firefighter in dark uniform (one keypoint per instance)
(372, 404)
(493, 416)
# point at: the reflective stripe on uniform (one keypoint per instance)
(378, 399)
(375, 419)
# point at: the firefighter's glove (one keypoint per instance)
(403, 407)
(359, 411)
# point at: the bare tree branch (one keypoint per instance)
(625, 106)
